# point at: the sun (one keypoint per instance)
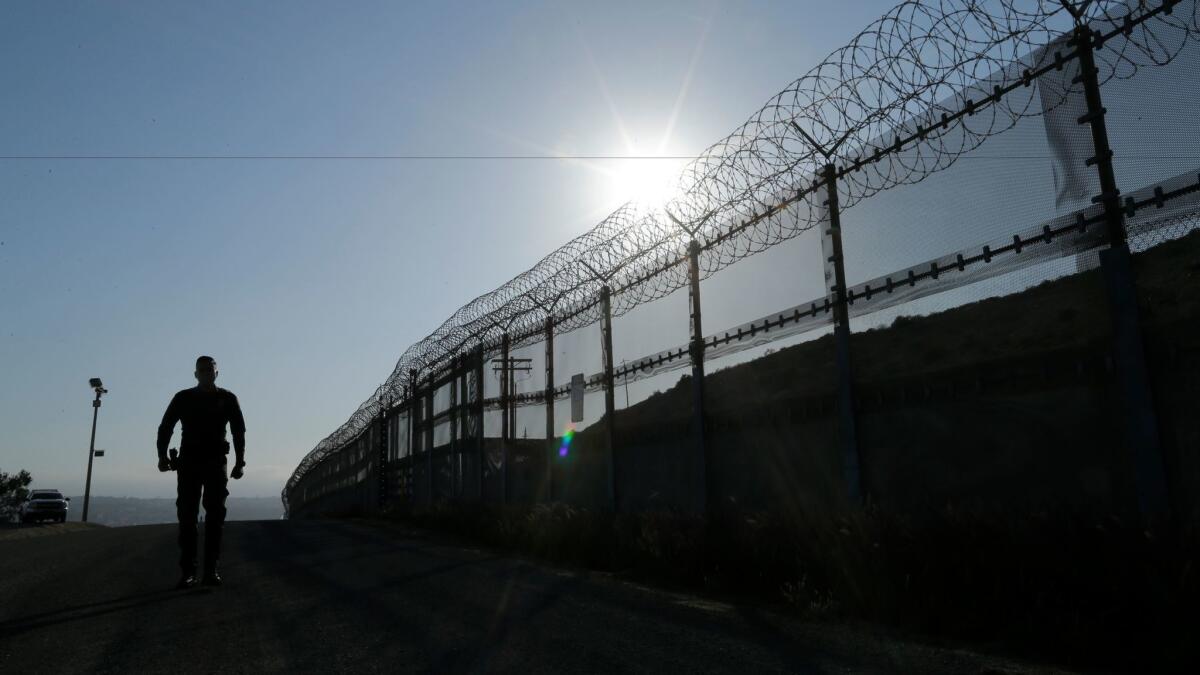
(648, 180)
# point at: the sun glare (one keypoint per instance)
(648, 180)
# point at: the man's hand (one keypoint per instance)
(163, 464)
(237, 470)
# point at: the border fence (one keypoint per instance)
(987, 317)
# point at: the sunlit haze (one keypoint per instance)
(305, 189)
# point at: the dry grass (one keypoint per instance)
(1082, 590)
(1096, 593)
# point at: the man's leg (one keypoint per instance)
(187, 506)
(215, 490)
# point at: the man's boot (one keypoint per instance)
(187, 579)
(211, 576)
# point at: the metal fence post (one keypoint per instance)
(609, 399)
(427, 419)
(466, 415)
(454, 428)
(505, 425)
(413, 415)
(702, 460)
(549, 489)
(847, 424)
(1129, 358)
(383, 464)
(480, 448)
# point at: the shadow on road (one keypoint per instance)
(13, 531)
(32, 622)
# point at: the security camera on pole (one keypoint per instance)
(87, 490)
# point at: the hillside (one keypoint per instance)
(1002, 402)
(1069, 313)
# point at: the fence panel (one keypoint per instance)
(527, 449)
(580, 471)
(653, 401)
(769, 382)
(974, 220)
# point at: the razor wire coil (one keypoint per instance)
(905, 98)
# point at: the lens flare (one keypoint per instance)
(568, 436)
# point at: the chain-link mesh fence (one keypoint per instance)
(936, 307)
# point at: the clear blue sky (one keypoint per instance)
(307, 279)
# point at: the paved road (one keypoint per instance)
(358, 596)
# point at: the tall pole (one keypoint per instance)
(413, 416)
(506, 424)
(87, 488)
(1140, 423)
(550, 436)
(428, 431)
(702, 460)
(481, 449)
(383, 465)
(454, 456)
(609, 404)
(847, 425)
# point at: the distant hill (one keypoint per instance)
(120, 511)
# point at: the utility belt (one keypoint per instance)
(221, 445)
(202, 451)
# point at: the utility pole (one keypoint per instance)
(87, 489)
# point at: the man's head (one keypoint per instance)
(206, 371)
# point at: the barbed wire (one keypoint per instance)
(907, 97)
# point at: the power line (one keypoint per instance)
(418, 158)
(346, 157)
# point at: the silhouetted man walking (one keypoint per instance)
(200, 467)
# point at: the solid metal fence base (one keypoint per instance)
(1140, 424)
(847, 425)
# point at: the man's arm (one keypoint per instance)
(237, 426)
(167, 427)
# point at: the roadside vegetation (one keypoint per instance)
(1084, 593)
(13, 488)
(1084, 587)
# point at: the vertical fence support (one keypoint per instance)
(428, 440)
(465, 413)
(703, 485)
(381, 496)
(847, 425)
(1129, 358)
(480, 448)
(412, 435)
(505, 425)
(609, 400)
(466, 416)
(550, 444)
(454, 428)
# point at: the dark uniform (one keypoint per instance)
(201, 466)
